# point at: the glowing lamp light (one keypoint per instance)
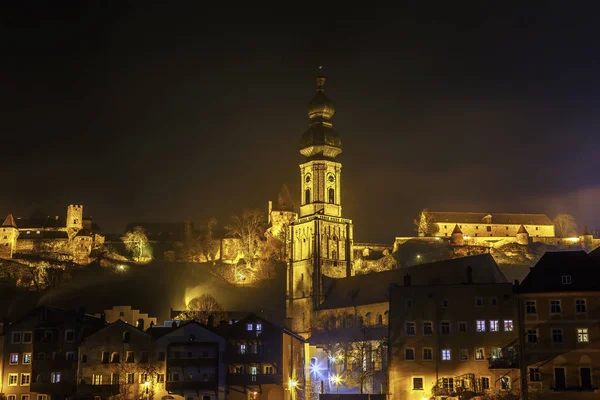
(147, 383)
(573, 239)
(121, 267)
(467, 237)
(336, 379)
(418, 256)
(292, 383)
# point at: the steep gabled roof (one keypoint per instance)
(504, 219)
(522, 230)
(284, 200)
(456, 230)
(9, 221)
(547, 275)
(373, 288)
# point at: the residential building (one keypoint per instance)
(454, 336)
(41, 353)
(191, 362)
(129, 315)
(560, 311)
(265, 361)
(119, 359)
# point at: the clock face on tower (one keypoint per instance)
(331, 178)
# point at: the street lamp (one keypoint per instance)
(292, 385)
(337, 380)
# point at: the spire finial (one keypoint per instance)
(320, 78)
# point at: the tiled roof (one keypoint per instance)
(582, 270)
(374, 288)
(42, 234)
(40, 222)
(505, 219)
(9, 221)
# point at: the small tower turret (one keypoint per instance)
(587, 239)
(74, 218)
(457, 236)
(522, 236)
(8, 237)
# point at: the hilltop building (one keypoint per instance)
(70, 238)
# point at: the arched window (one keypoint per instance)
(115, 358)
(126, 337)
(307, 196)
(361, 322)
(379, 319)
(331, 195)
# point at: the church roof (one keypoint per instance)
(374, 288)
(41, 234)
(9, 221)
(505, 219)
(40, 222)
(522, 230)
(284, 200)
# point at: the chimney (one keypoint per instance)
(407, 280)
(469, 275)
(141, 323)
(151, 324)
(103, 318)
(211, 320)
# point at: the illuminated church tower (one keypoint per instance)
(321, 240)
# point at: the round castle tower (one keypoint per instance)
(522, 236)
(457, 238)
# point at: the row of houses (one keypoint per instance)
(55, 353)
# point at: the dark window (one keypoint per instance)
(121, 314)
(445, 328)
(144, 357)
(580, 306)
(307, 196)
(115, 358)
(560, 382)
(532, 336)
(84, 358)
(417, 383)
(161, 356)
(489, 228)
(585, 373)
(126, 337)
(105, 356)
(462, 326)
(535, 375)
(409, 354)
(557, 335)
(331, 195)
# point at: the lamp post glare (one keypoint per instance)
(337, 380)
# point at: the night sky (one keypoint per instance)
(177, 111)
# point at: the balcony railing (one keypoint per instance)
(503, 363)
(249, 380)
(191, 385)
(52, 388)
(191, 362)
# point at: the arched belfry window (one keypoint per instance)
(307, 196)
(332, 195)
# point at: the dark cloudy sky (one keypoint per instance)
(178, 111)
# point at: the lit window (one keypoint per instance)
(532, 336)
(249, 327)
(485, 383)
(14, 358)
(505, 383)
(496, 352)
(530, 307)
(508, 325)
(242, 349)
(409, 354)
(55, 377)
(462, 326)
(259, 327)
(557, 335)
(582, 335)
(479, 355)
(446, 356)
(480, 324)
(410, 328)
(96, 379)
(26, 358)
(580, 306)
(417, 383)
(427, 354)
(25, 379)
(445, 328)
(13, 379)
(494, 326)
(555, 306)
(463, 354)
(427, 328)
(565, 279)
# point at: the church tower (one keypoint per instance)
(321, 239)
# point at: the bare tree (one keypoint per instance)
(201, 308)
(137, 243)
(145, 380)
(565, 225)
(425, 224)
(249, 229)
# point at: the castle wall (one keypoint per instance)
(493, 230)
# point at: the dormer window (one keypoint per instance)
(565, 279)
